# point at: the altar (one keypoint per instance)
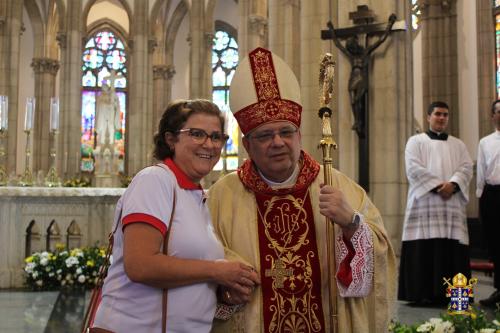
(35, 218)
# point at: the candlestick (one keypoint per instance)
(52, 179)
(30, 113)
(4, 112)
(27, 178)
(54, 114)
(65, 163)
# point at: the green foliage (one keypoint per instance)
(77, 182)
(73, 269)
(447, 323)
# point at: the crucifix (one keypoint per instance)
(112, 77)
(358, 50)
(279, 273)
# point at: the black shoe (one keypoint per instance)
(492, 300)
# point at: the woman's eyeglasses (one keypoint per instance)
(199, 136)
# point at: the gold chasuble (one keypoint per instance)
(282, 235)
(289, 261)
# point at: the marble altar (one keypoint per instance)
(91, 209)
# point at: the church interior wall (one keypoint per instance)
(180, 81)
(100, 11)
(468, 75)
(227, 11)
(26, 88)
(418, 99)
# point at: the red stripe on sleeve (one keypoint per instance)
(145, 218)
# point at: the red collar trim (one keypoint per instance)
(182, 179)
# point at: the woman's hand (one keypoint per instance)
(236, 276)
(233, 297)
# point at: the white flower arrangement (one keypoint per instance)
(476, 322)
(77, 268)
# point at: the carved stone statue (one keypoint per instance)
(359, 57)
(107, 115)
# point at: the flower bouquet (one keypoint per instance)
(73, 269)
(447, 323)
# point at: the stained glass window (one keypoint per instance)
(497, 51)
(104, 62)
(224, 62)
(415, 14)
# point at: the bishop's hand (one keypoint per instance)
(334, 205)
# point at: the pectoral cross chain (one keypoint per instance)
(279, 273)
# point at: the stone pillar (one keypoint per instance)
(284, 31)
(486, 70)
(139, 119)
(200, 42)
(162, 91)
(70, 97)
(11, 13)
(439, 50)
(45, 70)
(252, 32)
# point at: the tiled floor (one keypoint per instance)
(53, 312)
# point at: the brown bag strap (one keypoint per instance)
(165, 252)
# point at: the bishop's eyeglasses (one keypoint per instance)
(267, 136)
(200, 136)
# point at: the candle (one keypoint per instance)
(4, 112)
(65, 162)
(30, 113)
(54, 114)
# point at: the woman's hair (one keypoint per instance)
(175, 116)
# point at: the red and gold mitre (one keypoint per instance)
(264, 89)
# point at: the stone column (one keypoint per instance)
(253, 25)
(162, 91)
(139, 119)
(70, 97)
(284, 31)
(11, 13)
(486, 70)
(45, 70)
(440, 64)
(198, 48)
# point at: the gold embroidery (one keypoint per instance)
(293, 306)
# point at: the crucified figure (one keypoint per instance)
(359, 57)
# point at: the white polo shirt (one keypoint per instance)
(127, 306)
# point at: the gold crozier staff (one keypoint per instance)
(327, 145)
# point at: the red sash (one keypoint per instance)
(289, 259)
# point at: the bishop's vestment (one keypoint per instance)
(282, 235)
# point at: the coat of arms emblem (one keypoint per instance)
(460, 294)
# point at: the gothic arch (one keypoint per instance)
(173, 27)
(125, 6)
(53, 27)
(222, 25)
(38, 27)
(61, 10)
(111, 25)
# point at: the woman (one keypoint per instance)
(189, 141)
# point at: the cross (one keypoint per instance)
(112, 77)
(358, 50)
(279, 273)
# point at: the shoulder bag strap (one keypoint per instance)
(103, 271)
(165, 252)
